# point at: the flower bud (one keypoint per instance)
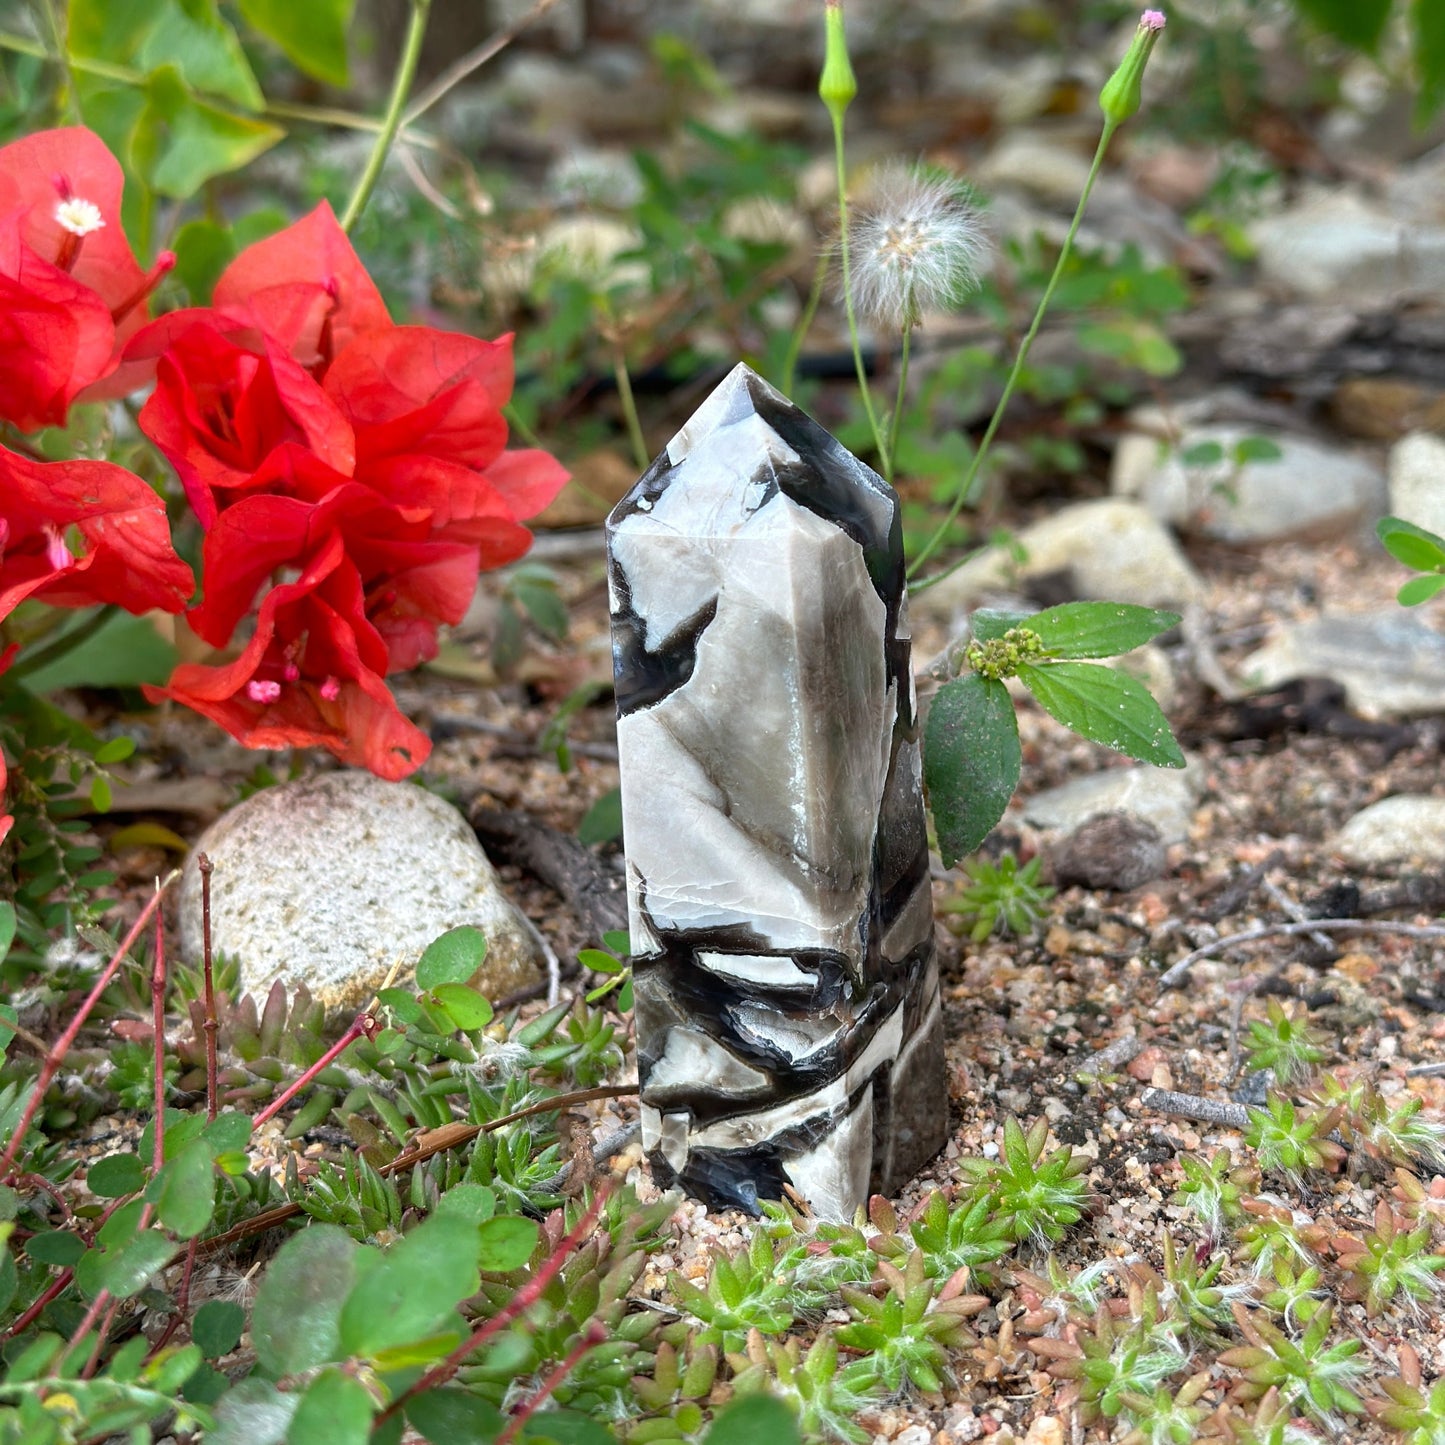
(838, 85)
(1120, 96)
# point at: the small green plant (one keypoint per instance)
(1402, 1136)
(1417, 1413)
(1389, 1260)
(971, 1234)
(1283, 1045)
(1292, 1140)
(1001, 897)
(1032, 1196)
(822, 1397)
(747, 1292)
(1419, 549)
(1189, 1291)
(1212, 1189)
(1316, 1377)
(1298, 1292)
(1168, 1417)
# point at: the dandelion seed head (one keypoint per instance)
(915, 247)
(79, 217)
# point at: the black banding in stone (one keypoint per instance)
(643, 677)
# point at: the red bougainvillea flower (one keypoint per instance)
(219, 410)
(312, 674)
(71, 291)
(7, 821)
(77, 533)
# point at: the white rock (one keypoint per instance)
(1162, 796)
(1389, 663)
(330, 880)
(1307, 491)
(1408, 827)
(1113, 548)
(1336, 245)
(1417, 480)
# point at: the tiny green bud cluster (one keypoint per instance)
(1001, 657)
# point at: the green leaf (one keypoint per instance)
(419, 1352)
(9, 1278)
(1105, 706)
(567, 1427)
(754, 1419)
(402, 1003)
(255, 1412)
(1256, 449)
(217, 1327)
(1420, 589)
(413, 1290)
(544, 608)
(1202, 454)
(1414, 546)
(335, 1410)
(602, 822)
(1427, 23)
(295, 1323)
(124, 652)
(449, 1416)
(475, 1202)
(55, 1246)
(116, 750)
(180, 141)
(203, 250)
(7, 928)
(464, 1006)
(227, 1133)
(184, 1192)
(203, 49)
(1098, 629)
(125, 1266)
(599, 962)
(116, 1176)
(1359, 23)
(311, 33)
(507, 1243)
(988, 624)
(453, 958)
(971, 761)
(618, 940)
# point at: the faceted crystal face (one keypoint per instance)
(781, 916)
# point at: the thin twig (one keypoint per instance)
(158, 1041)
(1238, 889)
(364, 1024)
(53, 1060)
(1175, 976)
(1195, 1106)
(1290, 908)
(210, 1026)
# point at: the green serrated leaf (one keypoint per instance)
(1427, 25)
(1098, 629)
(413, 1291)
(453, 958)
(217, 1327)
(602, 822)
(1357, 22)
(204, 50)
(295, 1321)
(335, 1410)
(507, 1243)
(990, 623)
(312, 34)
(971, 761)
(116, 1176)
(1105, 706)
(1420, 589)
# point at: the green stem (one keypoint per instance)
(629, 407)
(33, 659)
(62, 51)
(840, 163)
(965, 488)
(520, 427)
(896, 419)
(391, 121)
(804, 326)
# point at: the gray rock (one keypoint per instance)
(330, 880)
(1307, 491)
(1112, 548)
(1389, 663)
(1417, 480)
(1038, 163)
(1109, 850)
(1409, 827)
(1162, 796)
(1336, 244)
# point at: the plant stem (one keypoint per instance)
(520, 1302)
(391, 121)
(629, 407)
(594, 1334)
(213, 1093)
(158, 1030)
(62, 50)
(361, 1025)
(56, 1056)
(965, 487)
(840, 164)
(34, 659)
(896, 419)
(805, 324)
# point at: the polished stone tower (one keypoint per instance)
(788, 1026)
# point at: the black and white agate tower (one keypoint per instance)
(788, 1025)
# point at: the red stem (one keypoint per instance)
(594, 1334)
(104, 1330)
(158, 1025)
(360, 1026)
(55, 1289)
(53, 1060)
(520, 1302)
(213, 1092)
(183, 1301)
